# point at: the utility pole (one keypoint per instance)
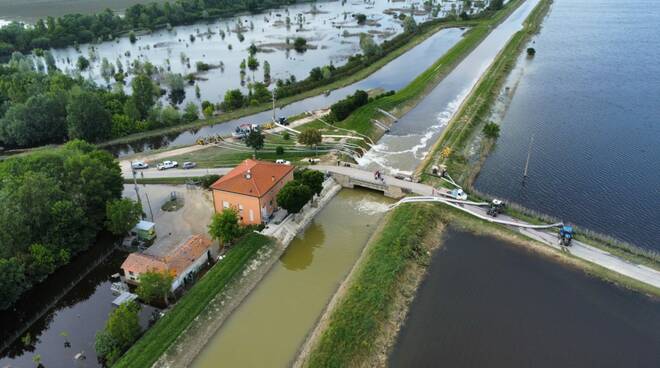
(273, 93)
(149, 205)
(529, 153)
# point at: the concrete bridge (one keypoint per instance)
(350, 177)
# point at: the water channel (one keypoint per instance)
(270, 325)
(412, 137)
(487, 303)
(590, 100)
(393, 76)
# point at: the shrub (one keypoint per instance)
(207, 180)
(279, 150)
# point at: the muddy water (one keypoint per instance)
(270, 325)
(31, 10)
(392, 76)
(411, 138)
(486, 303)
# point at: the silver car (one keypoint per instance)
(188, 165)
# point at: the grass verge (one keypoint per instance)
(167, 181)
(159, 337)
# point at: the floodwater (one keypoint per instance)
(487, 303)
(271, 324)
(415, 133)
(590, 98)
(30, 11)
(81, 312)
(392, 76)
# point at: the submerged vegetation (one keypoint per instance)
(159, 337)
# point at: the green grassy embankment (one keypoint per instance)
(406, 98)
(160, 336)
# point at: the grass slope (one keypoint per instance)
(159, 337)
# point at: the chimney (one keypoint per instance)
(273, 178)
(248, 174)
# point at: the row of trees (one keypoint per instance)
(73, 29)
(52, 205)
(342, 108)
(38, 108)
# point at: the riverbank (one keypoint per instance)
(465, 128)
(159, 337)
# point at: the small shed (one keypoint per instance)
(145, 230)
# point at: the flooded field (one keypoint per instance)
(392, 76)
(487, 303)
(589, 97)
(330, 28)
(30, 11)
(270, 325)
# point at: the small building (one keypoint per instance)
(251, 188)
(181, 262)
(144, 230)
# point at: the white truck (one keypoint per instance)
(167, 165)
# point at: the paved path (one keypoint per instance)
(578, 249)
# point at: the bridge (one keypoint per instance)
(350, 177)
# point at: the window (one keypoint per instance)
(130, 273)
(225, 204)
(240, 207)
(251, 215)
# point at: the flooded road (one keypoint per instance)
(270, 325)
(392, 76)
(412, 137)
(487, 303)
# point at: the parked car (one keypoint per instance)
(283, 162)
(283, 120)
(188, 165)
(167, 165)
(458, 194)
(138, 165)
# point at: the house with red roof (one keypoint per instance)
(251, 188)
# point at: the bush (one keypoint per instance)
(279, 150)
(300, 44)
(207, 180)
(293, 196)
(343, 108)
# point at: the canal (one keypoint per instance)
(393, 76)
(271, 324)
(488, 303)
(589, 97)
(414, 134)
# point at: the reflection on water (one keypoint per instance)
(300, 257)
(590, 99)
(487, 303)
(267, 329)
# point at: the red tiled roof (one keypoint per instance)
(262, 177)
(175, 261)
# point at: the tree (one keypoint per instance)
(87, 118)
(123, 324)
(531, 51)
(409, 25)
(154, 286)
(82, 63)
(131, 37)
(177, 88)
(122, 215)
(496, 4)
(279, 150)
(491, 130)
(234, 99)
(361, 18)
(190, 112)
(266, 71)
(252, 63)
(12, 281)
(369, 46)
(252, 49)
(144, 94)
(300, 44)
(310, 137)
(224, 226)
(255, 140)
(41, 120)
(313, 179)
(293, 196)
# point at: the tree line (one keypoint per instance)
(73, 29)
(52, 205)
(49, 108)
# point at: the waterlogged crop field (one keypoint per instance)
(331, 30)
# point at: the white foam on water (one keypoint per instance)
(368, 207)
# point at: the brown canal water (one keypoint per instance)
(272, 323)
(487, 303)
